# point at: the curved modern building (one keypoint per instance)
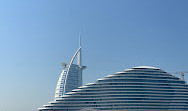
(71, 76)
(137, 89)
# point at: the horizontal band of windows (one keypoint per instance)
(136, 83)
(119, 105)
(112, 98)
(143, 76)
(134, 86)
(130, 93)
(118, 108)
(140, 80)
(133, 89)
(101, 96)
(121, 102)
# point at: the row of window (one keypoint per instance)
(140, 80)
(143, 98)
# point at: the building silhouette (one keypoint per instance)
(141, 88)
(71, 76)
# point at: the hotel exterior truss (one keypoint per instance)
(141, 88)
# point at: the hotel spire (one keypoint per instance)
(79, 59)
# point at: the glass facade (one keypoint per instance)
(136, 89)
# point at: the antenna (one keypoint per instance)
(79, 62)
(79, 40)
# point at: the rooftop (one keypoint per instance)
(146, 67)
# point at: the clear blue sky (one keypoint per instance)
(37, 35)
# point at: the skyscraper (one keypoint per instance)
(71, 76)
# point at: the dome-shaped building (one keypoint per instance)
(137, 89)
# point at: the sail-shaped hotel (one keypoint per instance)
(71, 76)
(141, 88)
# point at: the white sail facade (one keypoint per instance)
(137, 89)
(71, 76)
(73, 80)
